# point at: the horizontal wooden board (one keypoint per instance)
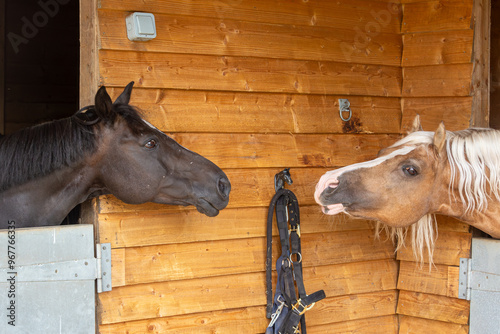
(216, 258)
(433, 307)
(336, 14)
(449, 248)
(277, 150)
(440, 280)
(150, 228)
(155, 300)
(228, 73)
(436, 15)
(173, 110)
(385, 324)
(418, 325)
(215, 36)
(437, 80)
(455, 112)
(351, 307)
(251, 320)
(447, 223)
(433, 48)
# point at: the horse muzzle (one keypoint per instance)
(211, 205)
(327, 194)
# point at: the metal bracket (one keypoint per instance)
(103, 253)
(345, 106)
(75, 270)
(479, 282)
(477, 277)
(463, 278)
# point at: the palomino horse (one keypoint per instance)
(449, 173)
(108, 148)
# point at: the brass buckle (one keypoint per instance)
(305, 308)
(295, 229)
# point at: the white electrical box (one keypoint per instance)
(141, 26)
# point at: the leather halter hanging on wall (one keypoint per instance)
(287, 310)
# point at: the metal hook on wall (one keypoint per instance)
(345, 106)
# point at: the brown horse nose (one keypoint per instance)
(224, 187)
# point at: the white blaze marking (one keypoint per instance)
(331, 177)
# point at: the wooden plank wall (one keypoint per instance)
(437, 68)
(253, 86)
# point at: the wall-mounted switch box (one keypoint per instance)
(141, 26)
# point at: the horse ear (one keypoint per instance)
(124, 97)
(103, 104)
(440, 138)
(416, 126)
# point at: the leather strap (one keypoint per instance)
(286, 206)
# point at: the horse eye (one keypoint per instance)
(150, 144)
(410, 170)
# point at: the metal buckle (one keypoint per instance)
(295, 229)
(276, 314)
(305, 308)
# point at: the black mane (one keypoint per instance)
(37, 151)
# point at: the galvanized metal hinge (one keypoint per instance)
(475, 280)
(474, 277)
(479, 282)
(103, 267)
(463, 278)
(98, 268)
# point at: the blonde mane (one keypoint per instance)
(474, 159)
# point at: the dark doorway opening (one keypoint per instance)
(40, 64)
(41, 61)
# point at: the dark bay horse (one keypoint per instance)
(450, 173)
(48, 169)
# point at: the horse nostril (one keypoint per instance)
(224, 187)
(330, 188)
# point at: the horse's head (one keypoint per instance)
(138, 163)
(397, 188)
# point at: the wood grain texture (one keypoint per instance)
(155, 300)
(147, 301)
(228, 73)
(277, 150)
(443, 47)
(89, 35)
(349, 307)
(215, 36)
(173, 110)
(250, 320)
(436, 15)
(254, 86)
(449, 248)
(241, 320)
(217, 258)
(440, 280)
(409, 325)
(481, 76)
(433, 307)
(337, 14)
(161, 228)
(439, 80)
(385, 324)
(455, 112)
